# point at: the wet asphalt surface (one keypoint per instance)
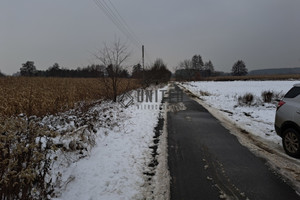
(207, 162)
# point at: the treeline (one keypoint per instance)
(92, 71)
(196, 69)
(29, 69)
(156, 73)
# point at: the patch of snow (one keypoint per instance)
(115, 165)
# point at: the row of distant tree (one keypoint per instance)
(195, 69)
(156, 73)
(29, 69)
(191, 69)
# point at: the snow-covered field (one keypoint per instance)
(117, 167)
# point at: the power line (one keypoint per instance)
(123, 20)
(114, 15)
(111, 17)
(120, 22)
(116, 21)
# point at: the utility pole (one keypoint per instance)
(143, 62)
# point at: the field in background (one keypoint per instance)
(42, 96)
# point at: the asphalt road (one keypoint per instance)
(207, 162)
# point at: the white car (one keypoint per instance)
(287, 121)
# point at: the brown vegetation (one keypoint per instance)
(42, 96)
(27, 148)
(258, 77)
(246, 99)
(25, 158)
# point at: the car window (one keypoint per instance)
(295, 91)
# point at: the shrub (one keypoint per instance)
(247, 99)
(271, 96)
(26, 155)
(267, 96)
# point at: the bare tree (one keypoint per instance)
(188, 70)
(186, 64)
(112, 57)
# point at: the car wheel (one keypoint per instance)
(291, 142)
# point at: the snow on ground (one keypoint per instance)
(253, 125)
(116, 165)
(257, 118)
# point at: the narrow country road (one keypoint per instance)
(207, 162)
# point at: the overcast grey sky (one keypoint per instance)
(263, 33)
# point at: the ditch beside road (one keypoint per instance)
(207, 162)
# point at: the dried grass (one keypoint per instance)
(246, 99)
(42, 96)
(25, 158)
(257, 77)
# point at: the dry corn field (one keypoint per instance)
(42, 96)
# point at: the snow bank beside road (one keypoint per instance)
(115, 168)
